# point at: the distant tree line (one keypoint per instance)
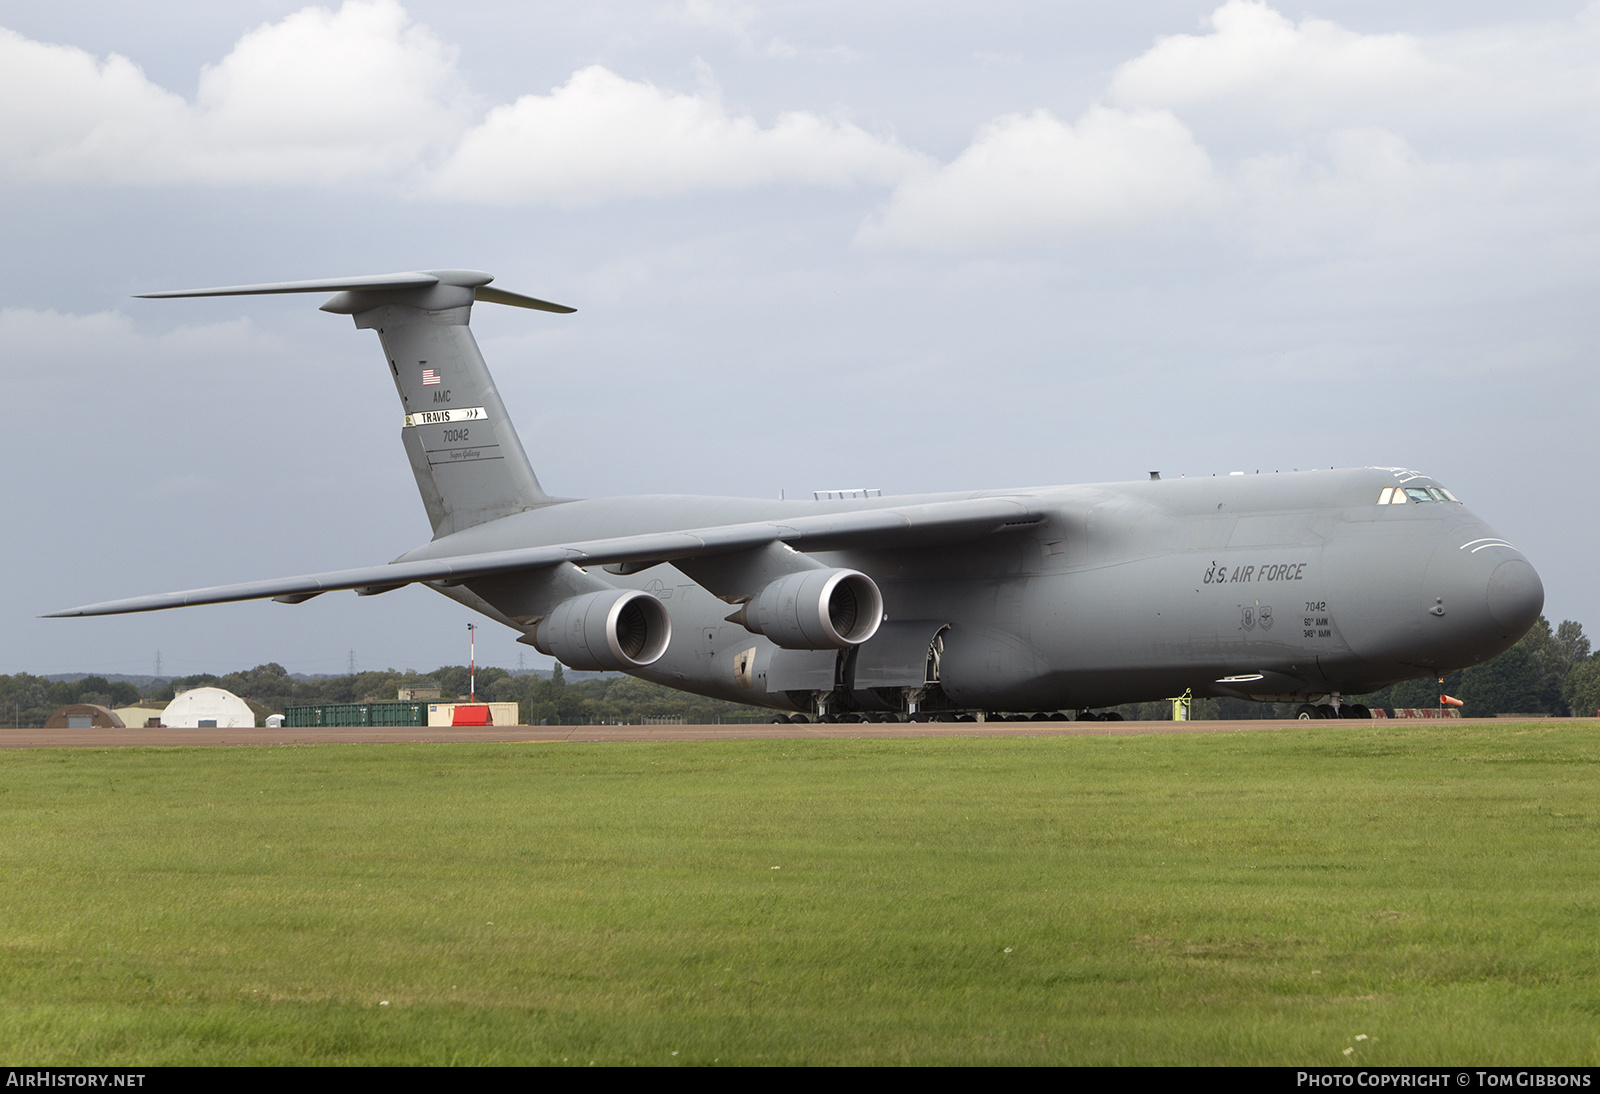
(1550, 671)
(28, 700)
(541, 699)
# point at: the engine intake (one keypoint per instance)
(614, 629)
(817, 610)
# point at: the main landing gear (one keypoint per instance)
(1307, 712)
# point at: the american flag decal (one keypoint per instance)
(429, 377)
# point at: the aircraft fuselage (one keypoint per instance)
(1299, 585)
(1289, 585)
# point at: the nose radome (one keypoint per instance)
(1516, 595)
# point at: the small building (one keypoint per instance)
(406, 695)
(473, 714)
(208, 708)
(140, 715)
(84, 716)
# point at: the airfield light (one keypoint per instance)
(472, 663)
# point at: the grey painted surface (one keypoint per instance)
(1284, 585)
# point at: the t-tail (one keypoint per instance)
(464, 451)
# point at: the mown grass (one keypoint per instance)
(1240, 898)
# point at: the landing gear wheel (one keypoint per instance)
(799, 720)
(780, 719)
(1325, 710)
(1355, 710)
(1041, 716)
(1111, 716)
(1306, 713)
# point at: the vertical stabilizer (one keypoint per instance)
(469, 464)
(467, 458)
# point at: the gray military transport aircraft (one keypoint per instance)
(1302, 586)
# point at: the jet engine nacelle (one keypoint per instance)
(613, 629)
(817, 610)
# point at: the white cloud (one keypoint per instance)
(1294, 137)
(1286, 128)
(1335, 141)
(66, 117)
(364, 95)
(1258, 73)
(360, 89)
(319, 97)
(600, 137)
(1030, 180)
(1262, 63)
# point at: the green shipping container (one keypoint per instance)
(356, 714)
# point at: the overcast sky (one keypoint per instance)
(914, 246)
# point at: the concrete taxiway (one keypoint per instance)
(202, 738)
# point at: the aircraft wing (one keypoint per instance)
(904, 526)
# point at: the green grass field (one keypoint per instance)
(1264, 897)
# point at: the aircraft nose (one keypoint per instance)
(1438, 595)
(1482, 595)
(1515, 595)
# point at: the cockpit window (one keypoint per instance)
(1399, 495)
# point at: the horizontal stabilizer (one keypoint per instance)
(474, 280)
(373, 282)
(517, 300)
(862, 530)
